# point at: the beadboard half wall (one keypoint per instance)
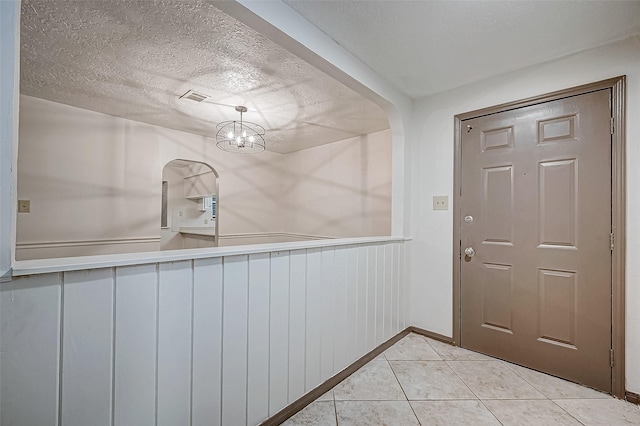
(226, 340)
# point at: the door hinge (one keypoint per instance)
(612, 240)
(611, 359)
(612, 126)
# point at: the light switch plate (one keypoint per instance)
(24, 206)
(441, 202)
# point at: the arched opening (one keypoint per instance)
(189, 210)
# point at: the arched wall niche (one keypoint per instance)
(189, 209)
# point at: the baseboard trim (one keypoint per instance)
(291, 409)
(632, 397)
(431, 334)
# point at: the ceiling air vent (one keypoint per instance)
(194, 96)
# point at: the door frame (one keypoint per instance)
(617, 87)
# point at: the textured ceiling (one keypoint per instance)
(134, 59)
(426, 47)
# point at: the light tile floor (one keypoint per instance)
(420, 381)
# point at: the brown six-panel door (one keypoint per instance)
(536, 220)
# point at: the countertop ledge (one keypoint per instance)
(65, 264)
(209, 232)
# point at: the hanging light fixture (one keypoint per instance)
(240, 136)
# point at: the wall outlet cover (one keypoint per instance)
(441, 202)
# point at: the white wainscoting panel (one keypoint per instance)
(339, 323)
(211, 341)
(351, 324)
(235, 321)
(364, 287)
(206, 403)
(371, 286)
(135, 345)
(279, 332)
(389, 285)
(313, 319)
(258, 350)
(403, 288)
(395, 288)
(297, 323)
(30, 346)
(328, 313)
(87, 347)
(381, 304)
(175, 311)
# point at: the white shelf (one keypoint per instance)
(200, 186)
(206, 231)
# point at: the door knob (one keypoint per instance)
(469, 252)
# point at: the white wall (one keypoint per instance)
(340, 189)
(213, 341)
(9, 84)
(94, 182)
(431, 252)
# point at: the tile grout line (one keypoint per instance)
(570, 415)
(515, 399)
(400, 384)
(335, 408)
(491, 412)
(454, 372)
(471, 390)
(539, 389)
(479, 400)
(508, 364)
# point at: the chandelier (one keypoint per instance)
(240, 136)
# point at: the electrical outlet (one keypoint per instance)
(440, 202)
(24, 206)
